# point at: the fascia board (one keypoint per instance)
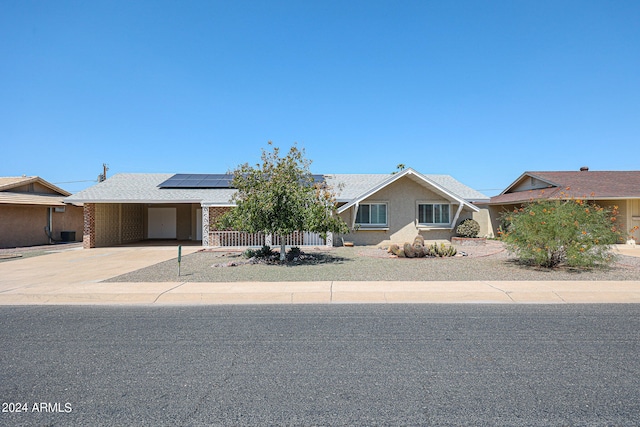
(372, 190)
(529, 174)
(395, 177)
(141, 201)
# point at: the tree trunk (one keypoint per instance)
(283, 249)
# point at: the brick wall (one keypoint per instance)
(89, 233)
(215, 213)
(108, 224)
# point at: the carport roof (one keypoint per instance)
(144, 188)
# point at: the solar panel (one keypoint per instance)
(184, 180)
(181, 180)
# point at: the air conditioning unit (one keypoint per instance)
(60, 209)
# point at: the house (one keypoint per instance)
(606, 188)
(33, 212)
(381, 208)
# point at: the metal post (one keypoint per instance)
(179, 258)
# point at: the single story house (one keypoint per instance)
(606, 188)
(380, 209)
(33, 212)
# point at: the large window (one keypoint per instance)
(373, 214)
(434, 213)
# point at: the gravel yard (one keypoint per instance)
(488, 262)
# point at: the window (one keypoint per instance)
(372, 214)
(434, 213)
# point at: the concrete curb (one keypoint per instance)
(185, 293)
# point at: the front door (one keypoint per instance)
(162, 223)
(635, 219)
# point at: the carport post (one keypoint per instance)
(179, 258)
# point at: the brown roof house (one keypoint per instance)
(380, 208)
(606, 188)
(33, 212)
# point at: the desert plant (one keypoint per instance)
(408, 250)
(468, 228)
(553, 232)
(293, 253)
(441, 250)
(249, 253)
(393, 249)
(263, 253)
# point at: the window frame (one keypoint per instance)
(433, 203)
(364, 225)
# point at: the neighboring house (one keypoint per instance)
(381, 208)
(606, 188)
(33, 212)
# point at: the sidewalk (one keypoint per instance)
(74, 276)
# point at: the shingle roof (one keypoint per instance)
(10, 182)
(9, 198)
(579, 184)
(143, 188)
(353, 185)
(7, 182)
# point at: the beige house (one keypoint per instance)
(606, 188)
(383, 209)
(33, 212)
(380, 208)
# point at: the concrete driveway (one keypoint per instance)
(76, 276)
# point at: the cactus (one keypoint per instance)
(408, 250)
(393, 249)
(419, 250)
(442, 250)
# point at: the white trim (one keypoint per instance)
(524, 175)
(455, 220)
(435, 186)
(434, 224)
(355, 212)
(376, 225)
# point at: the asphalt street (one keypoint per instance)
(321, 365)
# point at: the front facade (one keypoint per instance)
(33, 212)
(605, 188)
(379, 208)
(395, 208)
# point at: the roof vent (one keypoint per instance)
(584, 169)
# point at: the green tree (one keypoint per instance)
(279, 196)
(553, 232)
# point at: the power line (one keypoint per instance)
(72, 182)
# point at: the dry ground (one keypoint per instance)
(488, 262)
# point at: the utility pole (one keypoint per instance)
(103, 176)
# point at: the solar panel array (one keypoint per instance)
(186, 180)
(195, 180)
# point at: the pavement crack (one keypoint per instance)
(331, 292)
(507, 293)
(561, 299)
(168, 290)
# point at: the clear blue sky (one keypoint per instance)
(480, 90)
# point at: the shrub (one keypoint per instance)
(468, 228)
(293, 253)
(264, 252)
(573, 232)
